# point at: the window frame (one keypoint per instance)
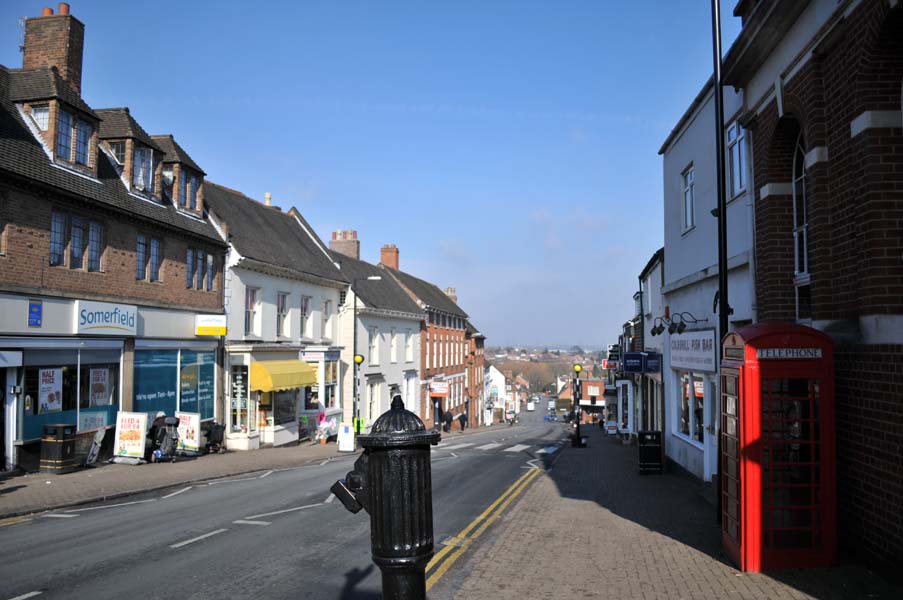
(738, 143)
(44, 119)
(408, 346)
(688, 185)
(211, 271)
(148, 153)
(282, 311)
(95, 263)
(326, 320)
(83, 145)
(154, 267)
(58, 230)
(142, 257)
(393, 345)
(64, 131)
(252, 305)
(800, 231)
(373, 345)
(119, 157)
(189, 268)
(305, 317)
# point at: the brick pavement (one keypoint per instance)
(37, 492)
(593, 528)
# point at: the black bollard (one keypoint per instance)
(392, 481)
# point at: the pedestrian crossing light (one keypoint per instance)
(358, 359)
(577, 368)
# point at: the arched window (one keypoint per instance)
(801, 234)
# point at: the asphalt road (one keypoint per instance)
(276, 534)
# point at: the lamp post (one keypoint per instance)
(358, 358)
(578, 441)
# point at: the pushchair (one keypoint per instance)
(164, 439)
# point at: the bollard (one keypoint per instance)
(391, 481)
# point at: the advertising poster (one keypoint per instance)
(130, 430)
(100, 387)
(50, 392)
(189, 431)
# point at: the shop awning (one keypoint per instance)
(275, 375)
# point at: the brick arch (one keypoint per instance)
(779, 149)
(879, 59)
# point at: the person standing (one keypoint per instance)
(463, 420)
(448, 421)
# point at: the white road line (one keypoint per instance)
(517, 448)
(267, 474)
(330, 499)
(59, 516)
(198, 538)
(324, 462)
(456, 446)
(28, 595)
(71, 510)
(232, 480)
(176, 493)
(245, 522)
(287, 510)
(488, 446)
(548, 450)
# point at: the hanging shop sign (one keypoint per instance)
(50, 391)
(693, 350)
(189, 431)
(652, 362)
(104, 318)
(130, 429)
(210, 325)
(633, 362)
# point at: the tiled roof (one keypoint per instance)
(22, 156)
(269, 235)
(428, 293)
(117, 123)
(173, 152)
(43, 84)
(385, 293)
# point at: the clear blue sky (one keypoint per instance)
(509, 149)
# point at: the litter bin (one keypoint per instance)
(58, 448)
(649, 445)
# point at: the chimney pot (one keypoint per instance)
(344, 241)
(63, 8)
(388, 255)
(47, 12)
(268, 198)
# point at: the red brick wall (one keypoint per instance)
(26, 262)
(56, 41)
(428, 333)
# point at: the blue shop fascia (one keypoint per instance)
(79, 362)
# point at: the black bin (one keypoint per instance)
(649, 445)
(58, 448)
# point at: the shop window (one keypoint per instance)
(692, 405)
(243, 416)
(50, 390)
(156, 374)
(196, 382)
(285, 406)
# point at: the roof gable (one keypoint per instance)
(385, 294)
(118, 123)
(44, 84)
(173, 152)
(427, 293)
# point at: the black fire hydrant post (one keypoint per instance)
(391, 481)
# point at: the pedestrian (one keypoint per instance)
(448, 421)
(462, 418)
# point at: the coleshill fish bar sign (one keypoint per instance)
(104, 318)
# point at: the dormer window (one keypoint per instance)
(41, 116)
(70, 127)
(83, 132)
(118, 150)
(64, 135)
(142, 169)
(193, 194)
(188, 197)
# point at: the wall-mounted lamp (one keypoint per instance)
(685, 317)
(658, 325)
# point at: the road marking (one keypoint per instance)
(28, 595)
(198, 538)
(246, 522)
(71, 510)
(457, 446)
(176, 493)
(324, 462)
(329, 499)
(232, 480)
(530, 462)
(287, 510)
(488, 446)
(517, 448)
(267, 474)
(13, 521)
(487, 517)
(59, 516)
(548, 450)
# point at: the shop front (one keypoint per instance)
(438, 391)
(324, 396)
(78, 362)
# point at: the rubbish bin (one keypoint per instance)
(58, 448)
(649, 446)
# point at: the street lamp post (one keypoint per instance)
(358, 358)
(578, 441)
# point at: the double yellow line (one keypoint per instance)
(445, 558)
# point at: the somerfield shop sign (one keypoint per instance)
(103, 318)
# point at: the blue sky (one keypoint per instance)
(509, 149)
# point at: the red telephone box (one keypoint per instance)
(778, 497)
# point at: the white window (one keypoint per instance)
(142, 169)
(736, 147)
(41, 116)
(373, 390)
(326, 320)
(691, 411)
(426, 343)
(408, 346)
(435, 350)
(252, 304)
(305, 317)
(801, 235)
(689, 202)
(282, 314)
(393, 345)
(373, 345)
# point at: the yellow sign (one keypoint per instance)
(210, 325)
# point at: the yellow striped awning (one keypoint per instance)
(275, 375)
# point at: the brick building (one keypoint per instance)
(821, 85)
(475, 361)
(103, 270)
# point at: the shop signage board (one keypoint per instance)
(130, 431)
(633, 362)
(189, 431)
(439, 388)
(210, 325)
(693, 350)
(35, 313)
(105, 318)
(50, 391)
(346, 437)
(652, 362)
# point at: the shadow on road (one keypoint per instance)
(353, 578)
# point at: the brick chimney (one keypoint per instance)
(346, 242)
(55, 41)
(388, 256)
(451, 293)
